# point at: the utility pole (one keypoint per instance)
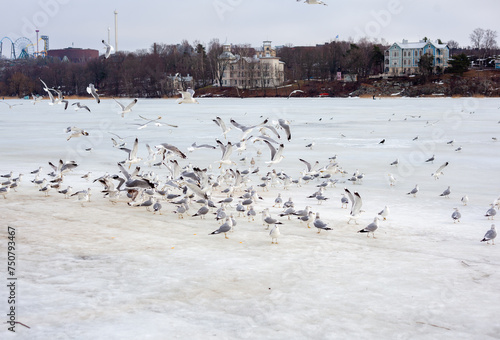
(116, 31)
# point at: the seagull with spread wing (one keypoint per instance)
(187, 97)
(108, 48)
(276, 154)
(125, 109)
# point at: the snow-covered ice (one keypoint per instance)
(112, 271)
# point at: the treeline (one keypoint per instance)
(151, 73)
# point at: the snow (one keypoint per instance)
(108, 271)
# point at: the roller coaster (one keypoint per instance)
(23, 48)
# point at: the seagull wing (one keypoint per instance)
(121, 105)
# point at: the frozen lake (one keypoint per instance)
(111, 271)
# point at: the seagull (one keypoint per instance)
(396, 162)
(92, 90)
(227, 150)
(319, 224)
(132, 154)
(109, 49)
(382, 141)
(187, 97)
(439, 171)
(286, 126)
(11, 105)
(345, 201)
(446, 192)
(267, 219)
(224, 228)
(60, 99)
(356, 204)
(490, 235)
(75, 132)
(464, 200)
(275, 233)
(276, 154)
(456, 215)
(4, 191)
(384, 213)
(157, 207)
(313, 2)
(246, 129)
(218, 120)
(79, 106)
(125, 109)
(413, 191)
(36, 99)
(83, 196)
(430, 159)
(392, 180)
(491, 212)
(165, 147)
(370, 228)
(66, 192)
(202, 212)
(293, 92)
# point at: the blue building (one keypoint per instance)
(402, 58)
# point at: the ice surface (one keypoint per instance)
(109, 271)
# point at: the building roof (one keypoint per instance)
(416, 45)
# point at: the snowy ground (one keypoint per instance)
(109, 271)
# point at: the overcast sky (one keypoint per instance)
(84, 24)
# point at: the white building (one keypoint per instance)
(262, 70)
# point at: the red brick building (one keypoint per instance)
(74, 55)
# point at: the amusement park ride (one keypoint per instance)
(23, 48)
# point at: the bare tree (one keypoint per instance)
(476, 38)
(489, 41)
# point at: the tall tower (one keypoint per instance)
(116, 31)
(37, 50)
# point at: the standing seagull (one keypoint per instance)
(491, 212)
(370, 228)
(92, 90)
(446, 192)
(456, 215)
(413, 191)
(384, 213)
(430, 159)
(490, 235)
(274, 233)
(319, 224)
(126, 109)
(224, 228)
(465, 200)
(356, 204)
(109, 49)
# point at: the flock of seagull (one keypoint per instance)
(191, 188)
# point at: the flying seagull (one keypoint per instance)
(92, 90)
(125, 109)
(293, 92)
(187, 97)
(109, 49)
(80, 106)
